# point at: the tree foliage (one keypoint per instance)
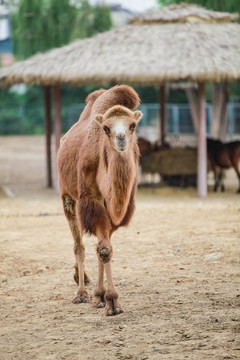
(39, 25)
(91, 20)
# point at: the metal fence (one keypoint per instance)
(179, 118)
(30, 119)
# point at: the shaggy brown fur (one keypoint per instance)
(97, 165)
(223, 156)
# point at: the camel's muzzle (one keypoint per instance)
(121, 145)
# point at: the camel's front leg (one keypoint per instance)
(104, 252)
(113, 307)
(99, 291)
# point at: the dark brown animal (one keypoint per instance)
(146, 147)
(223, 156)
(97, 165)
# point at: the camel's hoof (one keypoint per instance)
(118, 311)
(109, 312)
(81, 299)
(101, 305)
(113, 312)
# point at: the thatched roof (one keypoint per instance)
(142, 54)
(183, 13)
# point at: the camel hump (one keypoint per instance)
(94, 95)
(118, 95)
(126, 96)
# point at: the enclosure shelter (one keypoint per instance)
(179, 42)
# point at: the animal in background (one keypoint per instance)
(97, 166)
(147, 147)
(223, 156)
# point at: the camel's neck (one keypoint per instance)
(118, 177)
(121, 167)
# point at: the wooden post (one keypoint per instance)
(162, 113)
(219, 111)
(57, 127)
(48, 131)
(224, 116)
(202, 143)
(193, 103)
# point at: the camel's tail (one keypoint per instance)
(118, 95)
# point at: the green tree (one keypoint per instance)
(83, 26)
(102, 18)
(57, 23)
(91, 20)
(39, 25)
(26, 28)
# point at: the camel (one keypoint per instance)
(223, 156)
(97, 167)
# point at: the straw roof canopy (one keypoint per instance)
(146, 52)
(184, 13)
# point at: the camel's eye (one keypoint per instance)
(106, 129)
(132, 127)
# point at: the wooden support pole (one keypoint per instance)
(223, 124)
(193, 103)
(48, 131)
(202, 143)
(162, 113)
(57, 127)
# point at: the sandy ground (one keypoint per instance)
(176, 269)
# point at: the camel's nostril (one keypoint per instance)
(121, 137)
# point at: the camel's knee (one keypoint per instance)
(69, 206)
(104, 251)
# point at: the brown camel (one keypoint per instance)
(223, 156)
(97, 165)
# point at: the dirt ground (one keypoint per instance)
(176, 269)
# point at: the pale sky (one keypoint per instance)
(136, 5)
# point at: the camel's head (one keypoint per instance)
(119, 124)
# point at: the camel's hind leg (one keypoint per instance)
(216, 180)
(79, 250)
(76, 276)
(220, 180)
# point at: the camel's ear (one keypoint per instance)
(99, 118)
(138, 115)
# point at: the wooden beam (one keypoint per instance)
(48, 131)
(57, 128)
(162, 113)
(202, 143)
